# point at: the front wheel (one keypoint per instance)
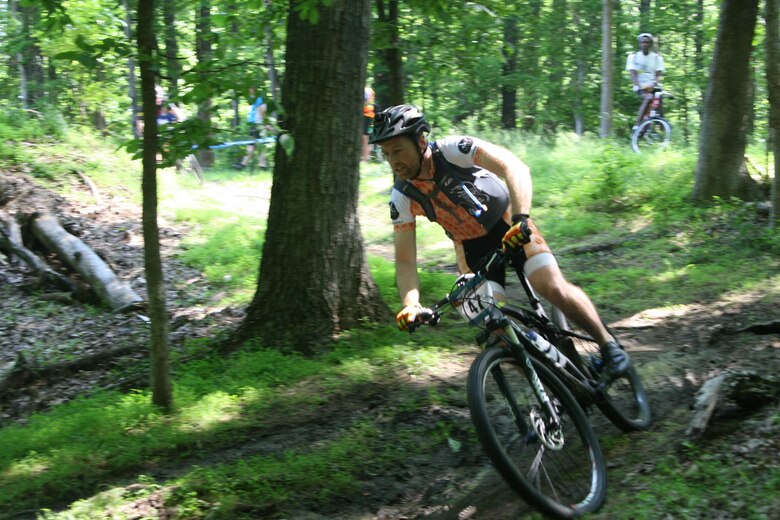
(652, 134)
(558, 468)
(625, 401)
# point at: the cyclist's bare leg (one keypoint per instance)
(550, 283)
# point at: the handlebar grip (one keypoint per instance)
(425, 316)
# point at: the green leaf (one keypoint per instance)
(287, 142)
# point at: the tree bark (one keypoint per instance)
(722, 137)
(394, 93)
(172, 65)
(273, 76)
(162, 390)
(203, 50)
(12, 243)
(314, 279)
(71, 250)
(606, 69)
(772, 17)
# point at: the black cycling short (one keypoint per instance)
(367, 122)
(254, 131)
(477, 248)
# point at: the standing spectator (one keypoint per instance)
(256, 117)
(369, 109)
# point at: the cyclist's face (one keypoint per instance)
(402, 155)
(645, 45)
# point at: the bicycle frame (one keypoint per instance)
(522, 340)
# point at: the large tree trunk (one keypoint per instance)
(722, 138)
(772, 17)
(162, 392)
(509, 81)
(606, 69)
(314, 279)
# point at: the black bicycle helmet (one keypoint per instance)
(398, 120)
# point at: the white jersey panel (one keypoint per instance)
(460, 150)
(400, 208)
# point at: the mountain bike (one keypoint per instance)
(654, 132)
(526, 391)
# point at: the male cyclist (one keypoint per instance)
(646, 68)
(458, 177)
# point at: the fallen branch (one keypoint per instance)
(71, 250)
(747, 389)
(92, 187)
(11, 242)
(23, 372)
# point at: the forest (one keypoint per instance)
(190, 330)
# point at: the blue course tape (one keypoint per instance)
(239, 143)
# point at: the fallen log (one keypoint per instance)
(11, 242)
(71, 250)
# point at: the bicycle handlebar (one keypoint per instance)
(432, 316)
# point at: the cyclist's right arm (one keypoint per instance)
(407, 279)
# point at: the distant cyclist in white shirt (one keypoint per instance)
(646, 68)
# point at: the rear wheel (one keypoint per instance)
(625, 402)
(558, 468)
(652, 134)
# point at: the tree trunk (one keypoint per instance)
(555, 69)
(644, 16)
(273, 76)
(131, 79)
(203, 50)
(172, 65)
(391, 55)
(606, 69)
(722, 138)
(314, 279)
(698, 58)
(509, 81)
(772, 17)
(162, 392)
(30, 52)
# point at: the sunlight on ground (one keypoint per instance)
(212, 409)
(29, 467)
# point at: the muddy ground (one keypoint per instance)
(677, 351)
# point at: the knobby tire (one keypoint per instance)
(566, 482)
